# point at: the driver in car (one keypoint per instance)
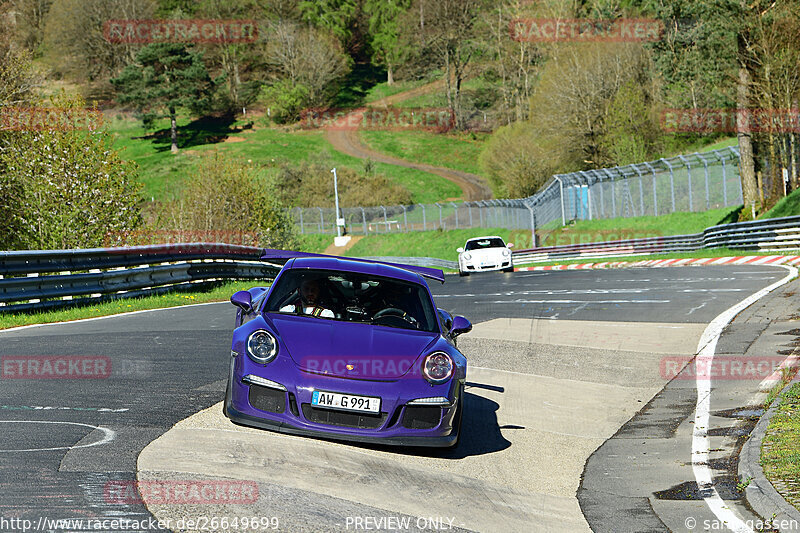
(309, 301)
(393, 301)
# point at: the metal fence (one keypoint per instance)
(512, 214)
(694, 182)
(769, 235)
(32, 280)
(44, 279)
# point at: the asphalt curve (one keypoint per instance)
(64, 440)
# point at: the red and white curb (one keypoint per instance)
(660, 263)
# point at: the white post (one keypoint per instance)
(336, 198)
(785, 179)
(561, 193)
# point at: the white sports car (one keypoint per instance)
(485, 253)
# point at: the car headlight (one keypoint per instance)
(506, 252)
(467, 256)
(437, 367)
(262, 347)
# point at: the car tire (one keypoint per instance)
(509, 269)
(458, 419)
(463, 274)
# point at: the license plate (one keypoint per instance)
(346, 402)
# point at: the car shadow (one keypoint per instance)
(480, 433)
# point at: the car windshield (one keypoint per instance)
(353, 297)
(480, 244)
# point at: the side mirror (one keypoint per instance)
(460, 250)
(460, 325)
(510, 245)
(243, 300)
(447, 319)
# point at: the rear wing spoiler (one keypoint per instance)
(431, 273)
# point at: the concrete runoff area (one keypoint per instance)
(642, 478)
(525, 442)
(535, 402)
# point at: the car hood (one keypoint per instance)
(352, 350)
(486, 253)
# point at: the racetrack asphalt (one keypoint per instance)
(168, 365)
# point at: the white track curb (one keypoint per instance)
(660, 263)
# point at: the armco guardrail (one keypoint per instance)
(432, 262)
(764, 235)
(52, 278)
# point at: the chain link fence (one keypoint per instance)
(512, 214)
(694, 182)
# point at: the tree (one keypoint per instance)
(165, 77)
(236, 60)
(696, 59)
(228, 196)
(18, 81)
(310, 183)
(769, 56)
(515, 64)
(18, 77)
(727, 57)
(518, 161)
(336, 16)
(450, 30)
(306, 57)
(384, 20)
(576, 91)
(631, 129)
(74, 40)
(69, 187)
(30, 18)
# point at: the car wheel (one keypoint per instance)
(459, 418)
(462, 274)
(225, 403)
(509, 269)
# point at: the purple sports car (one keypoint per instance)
(347, 349)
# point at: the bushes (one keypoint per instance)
(65, 188)
(226, 197)
(311, 183)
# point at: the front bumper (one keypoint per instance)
(472, 267)
(284, 427)
(291, 412)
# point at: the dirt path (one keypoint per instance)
(349, 142)
(339, 250)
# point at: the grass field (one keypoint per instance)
(442, 244)
(456, 151)
(585, 231)
(439, 244)
(220, 293)
(383, 90)
(161, 171)
(780, 449)
(787, 206)
(473, 87)
(314, 242)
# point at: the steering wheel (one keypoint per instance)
(394, 311)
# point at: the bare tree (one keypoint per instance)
(30, 16)
(768, 55)
(306, 56)
(235, 60)
(577, 89)
(74, 35)
(516, 62)
(451, 30)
